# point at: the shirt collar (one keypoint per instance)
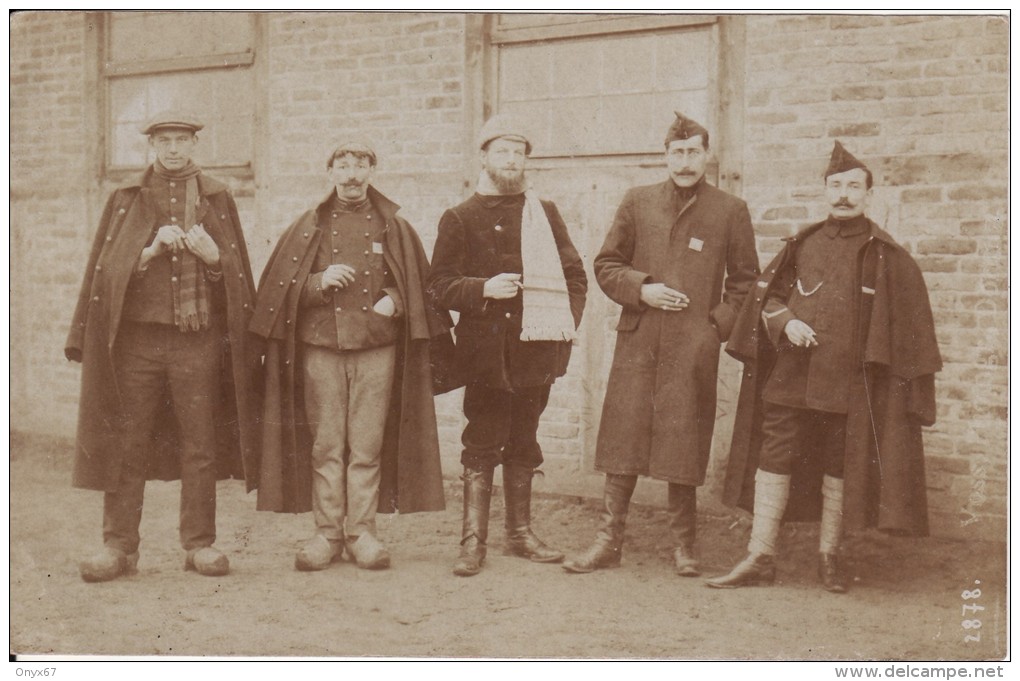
(845, 228)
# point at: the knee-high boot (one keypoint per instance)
(771, 492)
(475, 532)
(683, 526)
(830, 534)
(607, 548)
(520, 540)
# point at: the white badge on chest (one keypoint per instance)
(377, 248)
(696, 244)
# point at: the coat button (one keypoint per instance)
(173, 278)
(99, 268)
(272, 309)
(122, 211)
(335, 232)
(366, 252)
(286, 361)
(173, 258)
(334, 215)
(364, 308)
(109, 238)
(95, 299)
(338, 309)
(499, 228)
(306, 235)
(173, 219)
(245, 306)
(293, 281)
(508, 315)
(364, 290)
(173, 199)
(368, 217)
(367, 273)
(281, 283)
(223, 216)
(288, 321)
(240, 275)
(173, 184)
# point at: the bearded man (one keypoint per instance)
(504, 260)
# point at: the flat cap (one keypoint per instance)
(502, 125)
(685, 128)
(172, 119)
(355, 149)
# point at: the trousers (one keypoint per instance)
(502, 426)
(151, 360)
(788, 431)
(347, 396)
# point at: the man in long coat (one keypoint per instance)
(840, 354)
(504, 260)
(167, 368)
(680, 258)
(349, 424)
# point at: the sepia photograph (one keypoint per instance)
(515, 336)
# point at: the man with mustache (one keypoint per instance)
(349, 425)
(679, 258)
(840, 355)
(504, 260)
(168, 370)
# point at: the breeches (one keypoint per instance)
(149, 359)
(789, 431)
(347, 397)
(502, 426)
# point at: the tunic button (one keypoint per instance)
(173, 278)
(367, 273)
(173, 184)
(306, 235)
(173, 259)
(366, 252)
(286, 361)
(245, 306)
(173, 199)
(364, 290)
(334, 215)
(508, 315)
(368, 217)
(272, 309)
(234, 246)
(281, 283)
(364, 308)
(240, 275)
(288, 321)
(336, 250)
(173, 219)
(99, 268)
(95, 299)
(294, 258)
(122, 211)
(223, 216)
(335, 232)
(293, 281)
(338, 309)
(499, 228)
(109, 238)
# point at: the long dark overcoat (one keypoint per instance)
(411, 472)
(892, 393)
(477, 240)
(124, 230)
(660, 405)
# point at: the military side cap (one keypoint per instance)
(502, 125)
(684, 128)
(842, 161)
(171, 119)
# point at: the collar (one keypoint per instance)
(349, 206)
(388, 209)
(206, 185)
(493, 200)
(845, 228)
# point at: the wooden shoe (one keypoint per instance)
(207, 561)
(108, 564)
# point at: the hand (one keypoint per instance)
(202, 245)
(502, 286)
(338, 276)
(168, 238)
(663, 297)
(385, 306)
(800, 334)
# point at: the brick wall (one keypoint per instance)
(49, 225)
(922, 101)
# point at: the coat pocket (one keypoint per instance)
(629, 320)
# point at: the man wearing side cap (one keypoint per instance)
(504, 260)
(679, 258)
(167, 369)
(840, 354)
(349, 425)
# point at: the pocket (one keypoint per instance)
(629, 320)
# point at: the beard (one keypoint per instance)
(507, 181)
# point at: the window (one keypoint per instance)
(595, 85)
(198, 61)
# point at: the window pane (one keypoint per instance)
(222, 100)
(606, 95)
(144, 36)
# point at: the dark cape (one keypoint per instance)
(124, 230)
(411, 472)
(892, 393)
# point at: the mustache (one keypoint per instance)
(843, 203)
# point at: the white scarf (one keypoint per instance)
(547, 315)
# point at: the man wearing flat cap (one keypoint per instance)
(349, 425)
(167, 367)
(504, 260)
(679, 258)
(840, 354)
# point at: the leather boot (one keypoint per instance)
(520, 540)
(683, 524)
(771, 492)
(830, 534)
(477, 495)
(607, 549)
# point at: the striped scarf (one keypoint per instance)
(191, 299)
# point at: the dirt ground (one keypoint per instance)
(905, 602)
